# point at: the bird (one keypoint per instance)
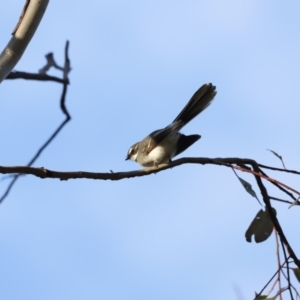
(162, 145)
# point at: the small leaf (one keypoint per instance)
(248, 188)
(279, 156)
(297, 273)
(261, 227)
(261, 297)
(276, 154)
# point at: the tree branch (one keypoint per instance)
(227, 162)
(65, 81)
(274, 219)
(30, 18)
(45, 173)
(34, 76)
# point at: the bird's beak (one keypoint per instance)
(127, 158)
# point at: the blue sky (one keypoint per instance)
(175, 235)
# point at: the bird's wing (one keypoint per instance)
(158, 135)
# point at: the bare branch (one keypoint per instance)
(45, 173)
(279, 169)
(284, 201)
(274, 219)
(281, 188)
(278, 262)
(66, 69)
(29, 21)
(34, 76)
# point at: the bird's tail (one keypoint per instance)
(199, 101)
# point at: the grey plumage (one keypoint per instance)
(162, 145)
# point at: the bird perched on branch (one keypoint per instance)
(162, 145)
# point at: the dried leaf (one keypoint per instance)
(276, 154)
(279, 156)
(261, 297)
(297, 273)
(261, 227)
(248, 188)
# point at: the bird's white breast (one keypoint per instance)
(162, 153)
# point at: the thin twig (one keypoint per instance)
(273, 216)
(287, 269)
(265, 286)
(281, 188)
(65, 82)
(34, 76)
(284, 201)
(279, 169)
(278, 262)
